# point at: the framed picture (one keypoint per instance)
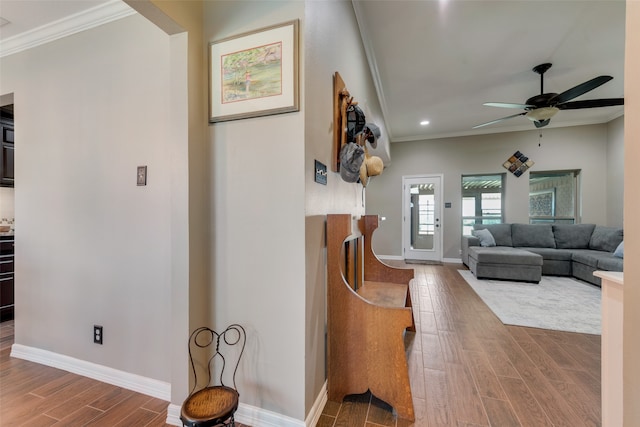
(254, 74)
(542, 203)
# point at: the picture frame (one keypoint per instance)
(542, 203)
(254, 74)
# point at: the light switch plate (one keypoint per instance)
(142, 175)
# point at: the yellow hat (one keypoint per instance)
(372, 166)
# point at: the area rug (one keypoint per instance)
(557, 303)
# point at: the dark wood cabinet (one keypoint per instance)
(6, 277)
(7, 147)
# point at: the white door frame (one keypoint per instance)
(434, 254)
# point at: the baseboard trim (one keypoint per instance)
(399, 258)
(173, 415)
(258, 417)
(391, 257)
(317, 408)
(129, 381)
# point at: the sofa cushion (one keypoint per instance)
(485, 237)
(589, 257)
(605, 238)
(532, 235)
(501, 233)
(553, 254)
(619, 252)
(572, 236)
(610, 263)
(504, 256)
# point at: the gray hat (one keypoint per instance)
(372, 133)
(355, 121)
(351, 158)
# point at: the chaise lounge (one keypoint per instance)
(525, 252)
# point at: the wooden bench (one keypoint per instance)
(368, 312)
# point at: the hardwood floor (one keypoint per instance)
(37, 395)
(468, 369)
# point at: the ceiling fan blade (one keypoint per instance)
(541, 123)
(498, 120)
(576, 91)
(508, 105)
(591, 103)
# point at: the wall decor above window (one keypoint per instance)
(518, 163)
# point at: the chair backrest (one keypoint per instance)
(211, 346)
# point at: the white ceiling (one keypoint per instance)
(441, 60)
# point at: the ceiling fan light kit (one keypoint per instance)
(541, 108)
(540, 114)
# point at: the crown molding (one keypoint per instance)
(85, 20)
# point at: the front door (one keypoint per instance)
(422, 224)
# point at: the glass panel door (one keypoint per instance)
(422, 234)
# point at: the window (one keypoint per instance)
(423, 205)
(426, 210)
(553, 197)
(482, 200)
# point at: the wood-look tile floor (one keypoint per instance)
(468, 369)
(41, 396)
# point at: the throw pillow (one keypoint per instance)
(501, 232)
(606, 238)
(485, 237)
(619, 252)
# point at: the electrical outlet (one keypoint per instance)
(97, 334)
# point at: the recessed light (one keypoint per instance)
(424, 122)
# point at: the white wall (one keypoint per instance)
(331, 43)
(91, 246)
(615, 172)
(257, 205)
(263, 189)
(580, 147)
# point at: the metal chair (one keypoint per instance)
(215, 403)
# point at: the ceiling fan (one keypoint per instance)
(541, 108)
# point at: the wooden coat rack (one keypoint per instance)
(341, 102)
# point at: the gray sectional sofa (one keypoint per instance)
(527, 251)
